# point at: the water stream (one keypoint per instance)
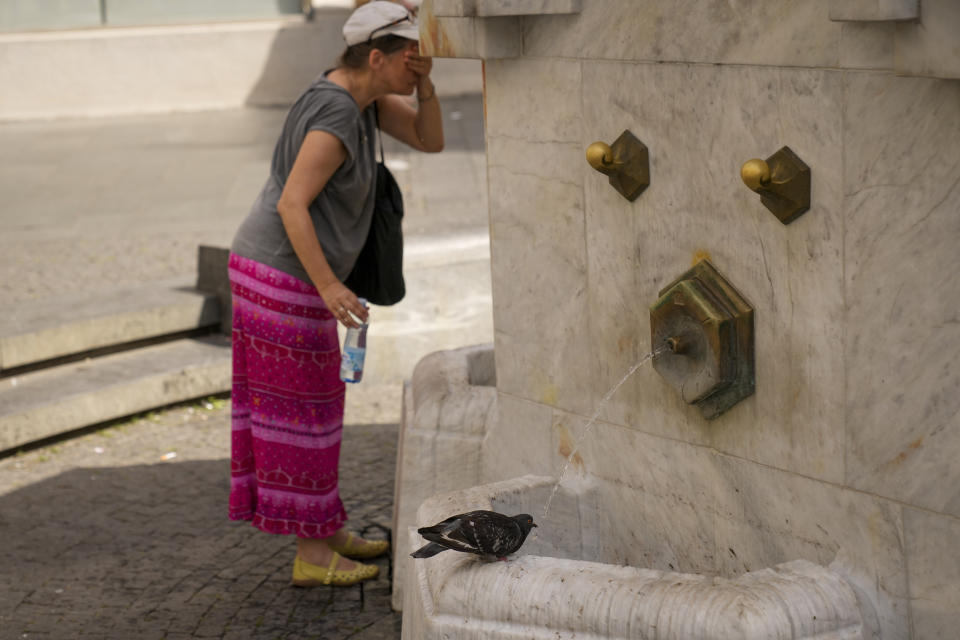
(593, 420)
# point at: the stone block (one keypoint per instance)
(900, 228)
(777, 516)
(449, 8)
(526, 7)
(519, 437)
(930, 46)
(468, 37)
(867, 45)
(696, 206)
(874, 10)
(537, 251)
(530, 100)
(671, 506)
(659, 499)
(933, 558)
(712, 31)
(32, 332)
(536, 213)
(58, 400)
(486, 8)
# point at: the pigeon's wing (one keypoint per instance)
(496, 534)
(444, 525)
(455, 533)
(428, 550)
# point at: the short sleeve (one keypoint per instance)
(337, 114)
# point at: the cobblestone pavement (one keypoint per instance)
(122, 534)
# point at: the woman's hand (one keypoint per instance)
(421, 128)
(342, 302)
(420, 65)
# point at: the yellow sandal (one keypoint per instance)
(311, 575)
(362, 550)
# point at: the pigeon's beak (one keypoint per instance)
(533, 524)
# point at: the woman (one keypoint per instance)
(287, 266)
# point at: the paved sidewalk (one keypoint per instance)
(123, 534)
(94, 205)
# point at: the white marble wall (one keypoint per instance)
(847, 452)
(905, 35)
(902, 227)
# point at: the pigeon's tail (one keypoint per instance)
(428, 550)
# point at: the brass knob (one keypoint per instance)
(600, 156)
(626, 163)
(755, 173)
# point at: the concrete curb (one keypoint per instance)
(35, 332)
(55, 401)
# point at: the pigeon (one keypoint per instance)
(488, 534)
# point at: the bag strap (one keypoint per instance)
(376, 116)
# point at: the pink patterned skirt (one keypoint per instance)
(287, 399)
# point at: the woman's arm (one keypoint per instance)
(319, 157)
(421, 128)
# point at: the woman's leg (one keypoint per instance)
(289, 421)
(316, 551)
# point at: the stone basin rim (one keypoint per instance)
(536, 596)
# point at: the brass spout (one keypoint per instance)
(707, 326)
(676, 345)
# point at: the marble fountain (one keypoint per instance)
(771, 190)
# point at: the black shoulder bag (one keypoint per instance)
(378, 272)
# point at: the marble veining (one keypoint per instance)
(874, 10)
(902, 194)
(867, 45)
(700, 124)
(846, 454)
(715, 31)
(933, 554)
(537, 210)
(526, 7)
(929, 46)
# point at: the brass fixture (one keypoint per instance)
(626, 161)
(702, 334)
(783, 182)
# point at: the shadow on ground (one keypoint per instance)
(147, 552)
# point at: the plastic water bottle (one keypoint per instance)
(354, 351)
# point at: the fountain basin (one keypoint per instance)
(447, 409)
(553, 589)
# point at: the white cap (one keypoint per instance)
(379, 18)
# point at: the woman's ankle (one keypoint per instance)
(315, 551)
(339, 538)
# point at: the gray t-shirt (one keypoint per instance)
(343, 210)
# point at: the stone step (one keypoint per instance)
(57, 400)
(48, 329)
